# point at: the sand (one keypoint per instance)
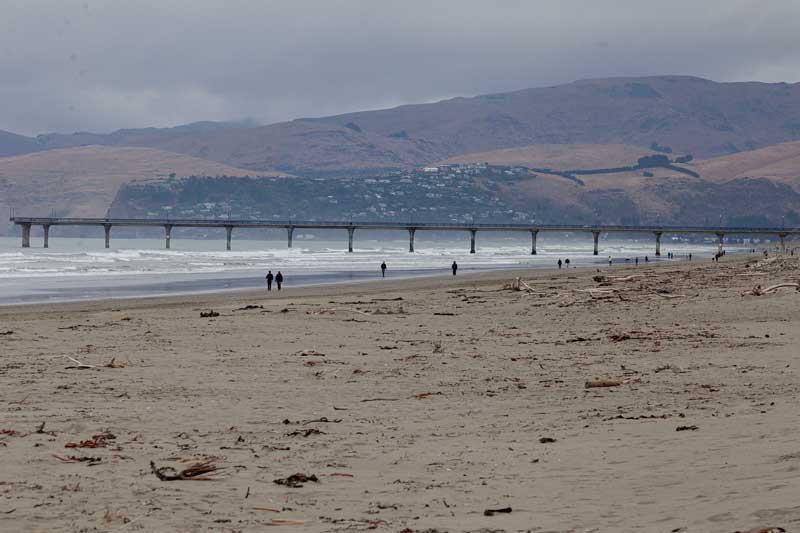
(418, 405)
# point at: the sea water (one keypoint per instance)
(83, 269)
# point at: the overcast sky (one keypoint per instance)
(99, 65)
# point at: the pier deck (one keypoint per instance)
(412, 227)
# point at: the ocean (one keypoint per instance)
(75, 269)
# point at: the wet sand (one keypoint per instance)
(418, 405)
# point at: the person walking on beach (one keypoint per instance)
(609, 260)
(279, 279)
(383, 269)
(566, 262)
(690, 256)
(454, 266)
(636, 261)
(559, 264)
(270, 277)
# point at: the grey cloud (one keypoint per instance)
(96, 65)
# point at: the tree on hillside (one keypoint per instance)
(652, 161)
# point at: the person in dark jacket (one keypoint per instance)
(383, 269)
(454, 266)
(279, 279)
(559, 264)
(270, 277)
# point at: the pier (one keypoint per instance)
(26, 223)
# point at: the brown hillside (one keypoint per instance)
(779, 163)
(83, 181)
(307, 146)
(558, 156)
(667, 197)
(689, 115)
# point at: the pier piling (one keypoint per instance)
(350, 232)
(228, 234)
(26, 235)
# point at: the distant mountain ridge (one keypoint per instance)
(679, 113)
(12, 144)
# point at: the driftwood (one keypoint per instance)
(492, 512)
(296, 481)
(669, 296)
(310, 353)
(597, 383)
(196, 472)
(603, 295)
(758, 291)
(626, 278)
(78, 364)
(334, 310)
(518, 285)
(599, 290)
(773, 288)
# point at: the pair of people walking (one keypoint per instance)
(277, 277)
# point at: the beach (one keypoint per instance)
(648, 398)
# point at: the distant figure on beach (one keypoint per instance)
(454, 266)
(690, 256)
(559, 264)
(383, 269)
(646, 259)
(566, 262)
(636, 261)
(270, 277)
(279, 279)
(609, 260)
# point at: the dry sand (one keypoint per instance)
(418, 405)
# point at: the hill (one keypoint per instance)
(83, 181)
(780, 163)
(756, 187)
(681, 114)
(13, 144)
(670, 113)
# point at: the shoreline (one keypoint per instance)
(246, 283)
(367, 286)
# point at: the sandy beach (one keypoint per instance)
(660, 398)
